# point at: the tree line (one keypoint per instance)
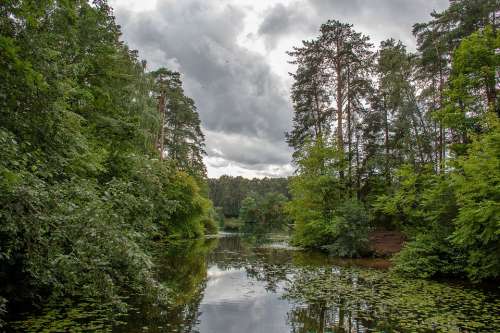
(227, 192)
(390, 138)
(98, 157)
(250, 205)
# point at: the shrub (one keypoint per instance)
(429, 255)
(349, 230)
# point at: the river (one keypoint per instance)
(258, 284)
(237, 284)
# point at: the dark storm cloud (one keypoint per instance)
(281, 20)
(234, 89)
(278, 20)
(379, 19)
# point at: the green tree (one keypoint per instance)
(183, 139)
(477, 186)
(250, 212)
(402, 121)
(310, 97)
(472, 85)
(319, 207)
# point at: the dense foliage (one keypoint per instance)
(325, 217)
(228, 193)
(264, 213)
(82, 187)
(413, 137)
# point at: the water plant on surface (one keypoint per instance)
(380, 300)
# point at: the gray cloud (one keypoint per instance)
(282, 20)
(248, 151)
(383, 18)
(379, 19)
(277, 21)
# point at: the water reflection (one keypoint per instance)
(256, 284)
(234, 302)
(183, 269)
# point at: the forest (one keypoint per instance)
(241, 203)
(102, 160)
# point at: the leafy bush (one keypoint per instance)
(349, 230)
(210, 220)
(452, 219)
(429, 255)
(345, 234)
(477, 186)
(325, 215)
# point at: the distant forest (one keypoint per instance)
(227, 193)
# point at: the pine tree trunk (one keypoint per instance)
(441, 129)
(386, 143)
(358, 175)
(349, 131)
(317, 123)
(161, 110)
(340, 138)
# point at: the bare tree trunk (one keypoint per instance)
(415, 126)
(317, 123)
(441, 129)
(491, 95)
(349, 133)
(161, 110)
(322, 319)
(386, 142)
(340, 138)
(358, 175)
(417, 139)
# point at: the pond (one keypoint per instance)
(240, 284)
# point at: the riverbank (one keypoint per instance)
(385, 243)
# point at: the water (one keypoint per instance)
(234, 284)
(241, 284)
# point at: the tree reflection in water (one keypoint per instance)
(252, 285)
(182, 267)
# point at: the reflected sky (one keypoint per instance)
(234, 302)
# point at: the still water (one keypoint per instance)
(237, 284)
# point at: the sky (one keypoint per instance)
(232, 57)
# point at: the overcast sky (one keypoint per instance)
(232, 55)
